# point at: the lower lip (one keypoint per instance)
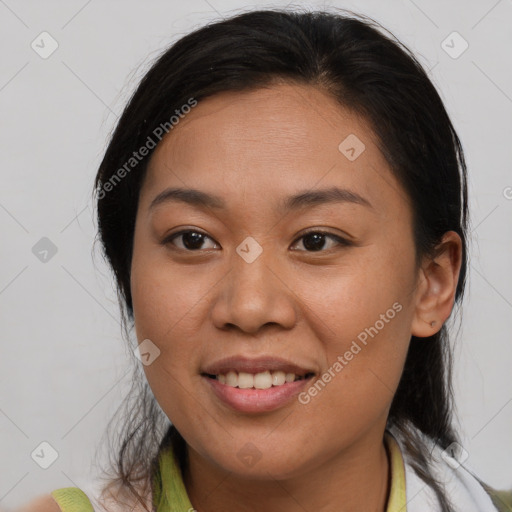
(257, 400)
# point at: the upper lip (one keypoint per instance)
(254, 365)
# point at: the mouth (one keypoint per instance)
(259, 380)
(256, 385)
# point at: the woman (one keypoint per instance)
(284, 206)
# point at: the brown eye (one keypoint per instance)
(316, 241)
(189, 240)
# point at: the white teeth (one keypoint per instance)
(245, 380)
(278, 378)
(262, 380)
(232, 379)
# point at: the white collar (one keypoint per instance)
(463, 490)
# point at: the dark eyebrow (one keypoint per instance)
(188, 195)
(304, 199)
(310, 198)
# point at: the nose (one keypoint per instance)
(253, 295)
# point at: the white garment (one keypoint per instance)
(462, 489)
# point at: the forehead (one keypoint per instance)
(281, 138)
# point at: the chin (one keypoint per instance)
(254, 463)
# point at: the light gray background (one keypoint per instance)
(63, 364)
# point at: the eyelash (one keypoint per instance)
(341, 241)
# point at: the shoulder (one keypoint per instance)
(45, 503)
(64, 499)
(118, 500)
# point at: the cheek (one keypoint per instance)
(171, 305)
(165, 311)
(342, 301)
(362, 314)
(167, 299)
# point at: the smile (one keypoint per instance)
(251, 399)
(260, 380)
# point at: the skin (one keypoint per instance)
(253, 149)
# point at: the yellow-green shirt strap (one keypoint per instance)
(397, 501)
(72, 499)
(174, 496)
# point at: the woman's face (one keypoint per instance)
(247, 291)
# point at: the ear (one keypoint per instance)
(437, 283)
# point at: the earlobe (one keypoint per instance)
(438, 284)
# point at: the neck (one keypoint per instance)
(358, 478)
